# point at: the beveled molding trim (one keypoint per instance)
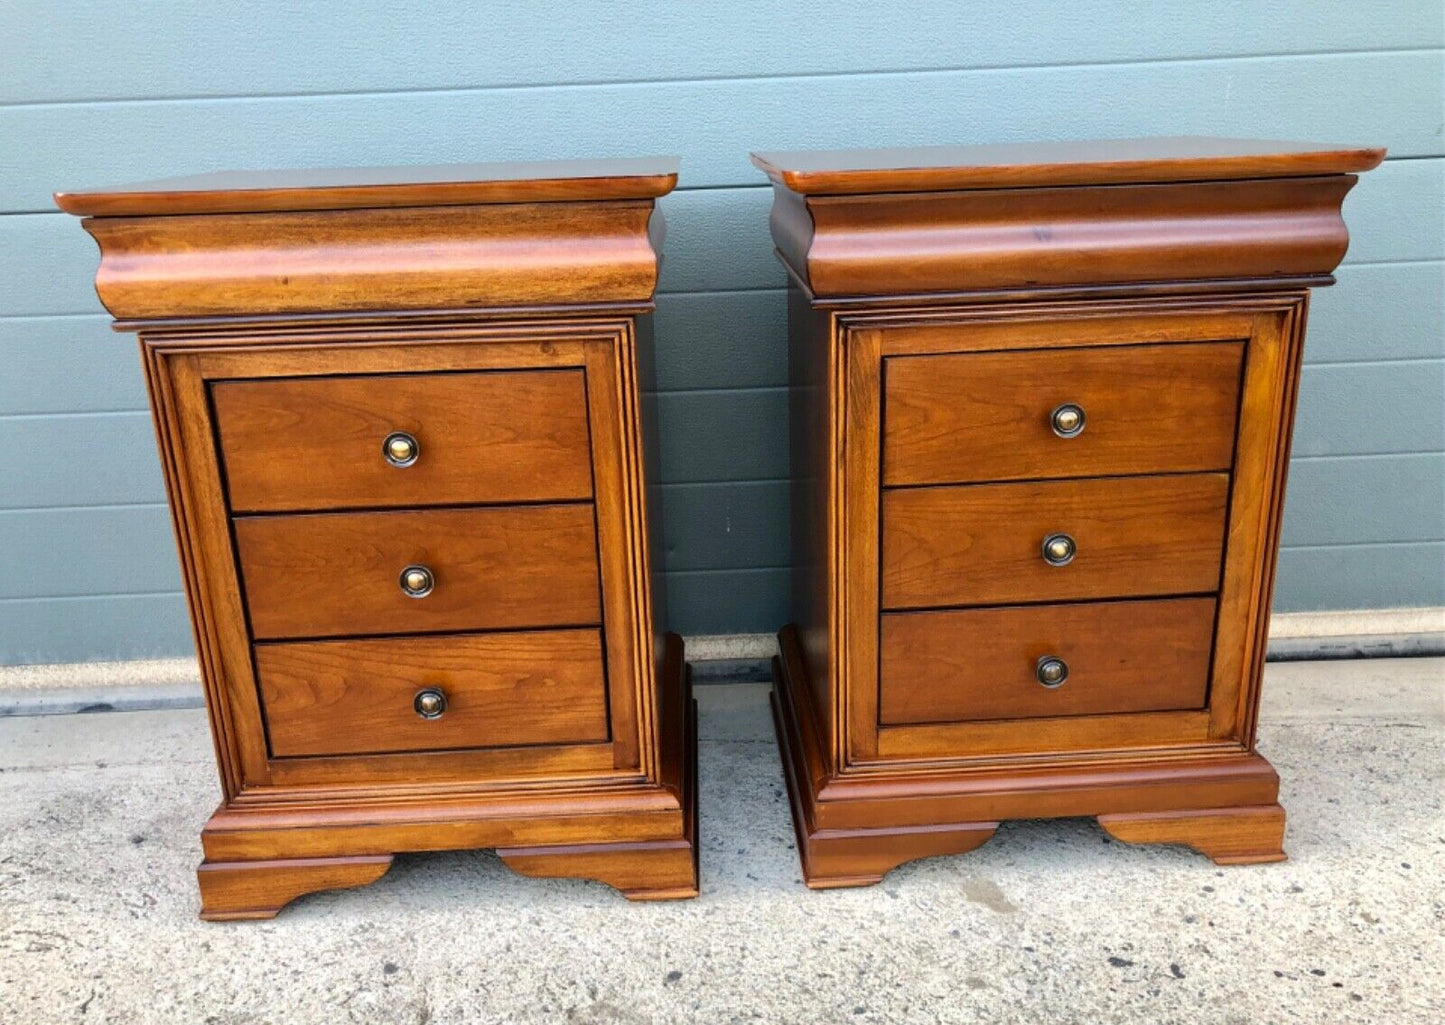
(1255, 230)
(231, 328)
(408, 258)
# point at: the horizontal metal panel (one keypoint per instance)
(57, 275)
(1371, 409)
(55, 553)
(1379, 311)
(725, 526)
(720, 436)
(172, 48)
(1395, 212)
(68, 365)
(732, 601)
(1382, 99)
(1361, 577)
(83, 459)
(98, 629)
(718, 240)
(718, 340)
(1365, 499)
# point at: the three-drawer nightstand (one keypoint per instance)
(1040, 417)
(401, 420)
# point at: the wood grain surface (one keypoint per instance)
(1250, 835)
(403, 258)
(534, 181)
(289, 323)
(316, 443)
(1125, 656)
(336, 574)
(913, 243)
(1033, 164)
(249, 890)
(501, 690)
(986, 416)
(981, 544)
(957, 297)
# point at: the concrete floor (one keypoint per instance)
(1050, 921)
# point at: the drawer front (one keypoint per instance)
(489, 690)
(469, 438)
(1129, 656)
(991, 416)
(984, 543)
(339, 574)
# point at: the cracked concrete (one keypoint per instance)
(1049, 921)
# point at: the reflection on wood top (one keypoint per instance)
(1035, 164)
(542, 181)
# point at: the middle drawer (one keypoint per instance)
(984, 544)
(423, 571)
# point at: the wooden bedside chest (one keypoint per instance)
(400, 415)
(1041, 408)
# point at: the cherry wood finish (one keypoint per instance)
(496, 436)
(288, 325)
(350, 188)
(364, 260)
(944, 303)
(986, 240)
(260, 889)
(501, 690)
(1125, 656)
(982, 544)
(495, 568)
(987, 416)
(1035, 164)
(1227, 836)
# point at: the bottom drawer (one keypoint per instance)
(354, 697)
(1124, 656)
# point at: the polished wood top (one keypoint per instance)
(538, 181)
(1034, 164)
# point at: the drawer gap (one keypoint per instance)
(1079, 478)
(1024, 604)
(440, 507)
(336, 639)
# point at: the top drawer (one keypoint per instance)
(459, 438)
(991, 416)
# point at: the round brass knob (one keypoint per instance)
(400, 448)
(1059, 549)
(430, 703)
(417, 581)
(1051, 671)
(1067, 420)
